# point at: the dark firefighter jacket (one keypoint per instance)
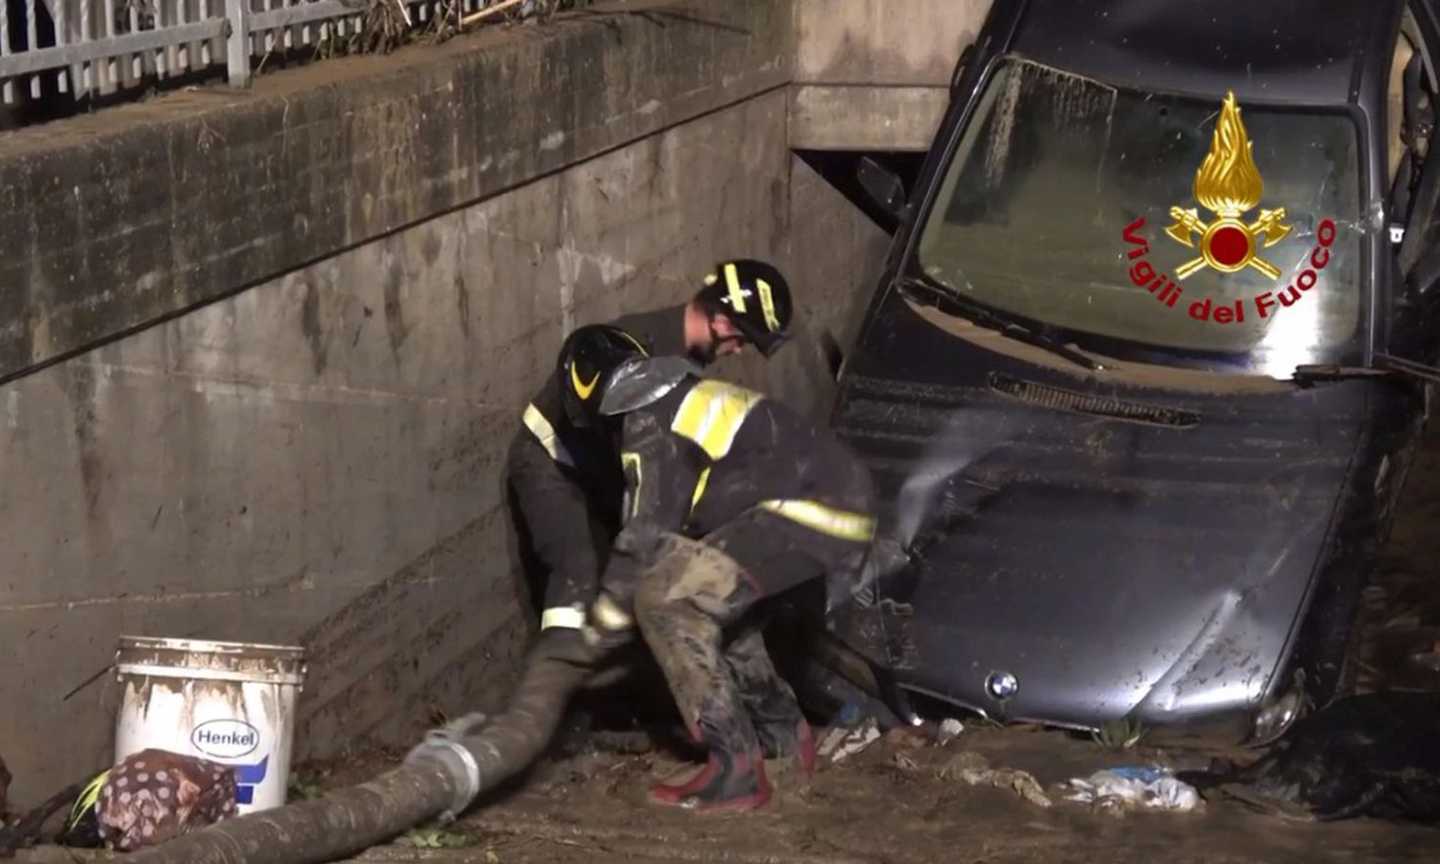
(708, 451)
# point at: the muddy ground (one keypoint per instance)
(891, 803)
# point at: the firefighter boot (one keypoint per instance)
(727, 782)
(682, 604)
(770, 701)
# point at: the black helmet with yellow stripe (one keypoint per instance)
(755, 297)
(587, 359)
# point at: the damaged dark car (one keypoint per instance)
(1149, 358)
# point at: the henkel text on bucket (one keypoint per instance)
(230, 702)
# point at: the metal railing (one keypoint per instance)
(100, 47)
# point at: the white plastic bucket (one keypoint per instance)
(229, 702)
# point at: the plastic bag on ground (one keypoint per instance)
(950, 729)
(1149, 787)
(842, 742)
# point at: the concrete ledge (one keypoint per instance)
(113, 221)
(912, 42)
(865, 117)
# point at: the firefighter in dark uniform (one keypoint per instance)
(730, 498)
(566, 480)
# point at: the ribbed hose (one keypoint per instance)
(350, 820)
(342, 823)
(557, 667)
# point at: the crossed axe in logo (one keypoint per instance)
(1231, 234)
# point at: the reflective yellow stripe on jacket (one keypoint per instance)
(545, 434)
(569, 617)
(699, 489)
(825, 519)
(712, 413)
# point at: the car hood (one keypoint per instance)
(1117, 550)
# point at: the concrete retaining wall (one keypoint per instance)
(111, 220)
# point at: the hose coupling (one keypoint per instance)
(443, 746)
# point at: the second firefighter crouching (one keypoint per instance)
(730, 498)
(566, 481)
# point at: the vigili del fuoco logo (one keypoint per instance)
(1228, 185)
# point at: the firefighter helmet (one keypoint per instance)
(755, 297)
(587, 359)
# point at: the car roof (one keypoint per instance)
(1276, 51)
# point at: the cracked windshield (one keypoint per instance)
(1173, 230)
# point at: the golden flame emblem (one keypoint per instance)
(1229, 184)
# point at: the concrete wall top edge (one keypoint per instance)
(368, 69)
(911, 42)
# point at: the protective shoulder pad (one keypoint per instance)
(641, 381)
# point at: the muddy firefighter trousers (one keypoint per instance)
(697, 611)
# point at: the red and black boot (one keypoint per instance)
(729, 782)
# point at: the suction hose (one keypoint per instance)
(441, 776)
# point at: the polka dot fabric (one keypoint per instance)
(155, 795)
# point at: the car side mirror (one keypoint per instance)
(882, 187)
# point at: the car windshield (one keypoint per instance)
(1083, 206)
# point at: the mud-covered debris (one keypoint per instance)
(625, 742)
(950, 729)
(1373, 755)
(905, 762)
(842, 742)
(970, 767)
(966, 761)
(433, 837)
(1148, 787)
(906, 737)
